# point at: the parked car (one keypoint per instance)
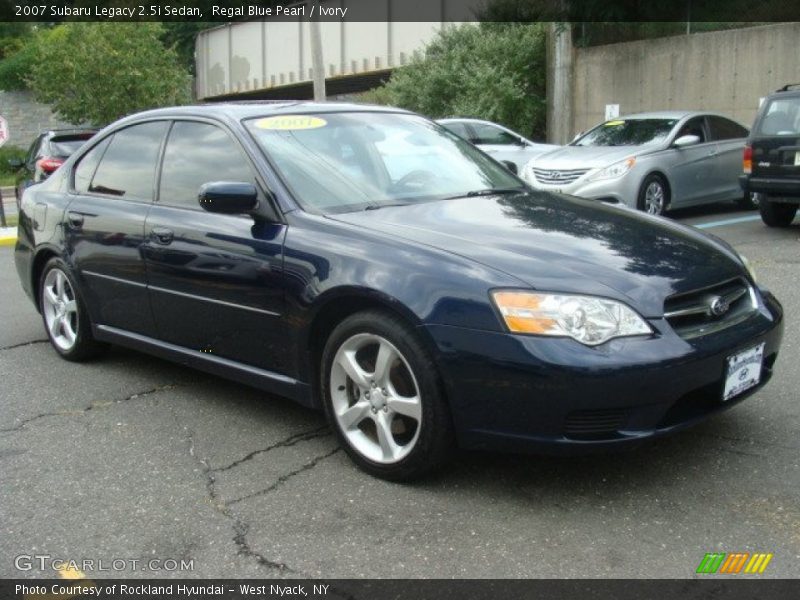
(650, 161)
(771, 159)
(47, 152)
(503, 144)
(421, 305)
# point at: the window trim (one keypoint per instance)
(83, 153)
(265, 195)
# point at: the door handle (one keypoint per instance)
(162, 235)
(75, 219)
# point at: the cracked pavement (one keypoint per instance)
(133, 457)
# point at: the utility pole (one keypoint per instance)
(317, 64)
(559, 83)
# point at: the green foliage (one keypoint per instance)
(8, 153)
(98, 72)
(494, 71)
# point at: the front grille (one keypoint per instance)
(558, 177)
(710, 309)
(595, 424)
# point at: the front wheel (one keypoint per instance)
(777, 214)
(654, 195)
(64, 314)
(384, 399)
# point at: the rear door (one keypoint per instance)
(113, 187)
(215, 280)
(730, 138)
(776, 139)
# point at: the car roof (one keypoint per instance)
(250, 109)
(666, 114)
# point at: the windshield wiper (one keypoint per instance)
(488, 192)
(387, 204)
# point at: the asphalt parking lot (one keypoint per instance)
(130, 457)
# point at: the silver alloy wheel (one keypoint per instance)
(376, 399)
(654, 198)
(60, 309)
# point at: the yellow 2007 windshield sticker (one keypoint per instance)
(614, 123)
(291, 122)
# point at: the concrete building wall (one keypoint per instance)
(26, 118)
(724, 71)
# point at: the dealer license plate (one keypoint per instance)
(743, 371)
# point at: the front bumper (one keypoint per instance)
(524, 393)
(623, 190)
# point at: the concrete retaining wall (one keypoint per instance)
(724, 71)
(26, 118)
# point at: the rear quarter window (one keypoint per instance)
(781, 116)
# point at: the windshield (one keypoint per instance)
(781, 117)
(627, 132)
(338, 162)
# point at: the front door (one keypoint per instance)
(215, 280)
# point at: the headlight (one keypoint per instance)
(749, 267)
(587, 319)
(618, 169)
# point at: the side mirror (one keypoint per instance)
(510, 166)
(522, 142)
(228, 197)
(15, 163)
(686, 140)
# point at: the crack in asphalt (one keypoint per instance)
(92, 407)
(23, 344)
(285, 477)
(290, 441)
(239, 525)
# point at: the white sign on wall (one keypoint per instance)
(3, 131)
(612, 111)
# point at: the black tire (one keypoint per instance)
(749, 201)
(84, 346)
(644, 203)
(776, 214)
(435, 439)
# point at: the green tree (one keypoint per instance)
(99, 72)
(494, 71)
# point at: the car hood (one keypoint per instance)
(588, 157)
(560, 243)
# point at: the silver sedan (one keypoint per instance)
(649, 161)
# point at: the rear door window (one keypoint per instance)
(725, 129)
(128, 167)
(88, 165)
(460, 129)
(489, 134)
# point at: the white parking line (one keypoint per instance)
(728, 222)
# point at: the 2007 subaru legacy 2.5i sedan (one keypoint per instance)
(368, 262)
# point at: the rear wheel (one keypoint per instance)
(776, 214)
(64, 313)
(654, 195)
(384, 399)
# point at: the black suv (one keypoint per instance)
(772, 157)
(47, 152)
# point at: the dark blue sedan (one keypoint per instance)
(367, 262)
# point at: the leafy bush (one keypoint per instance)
(9, 153)
(99, 72)
(494, 71)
